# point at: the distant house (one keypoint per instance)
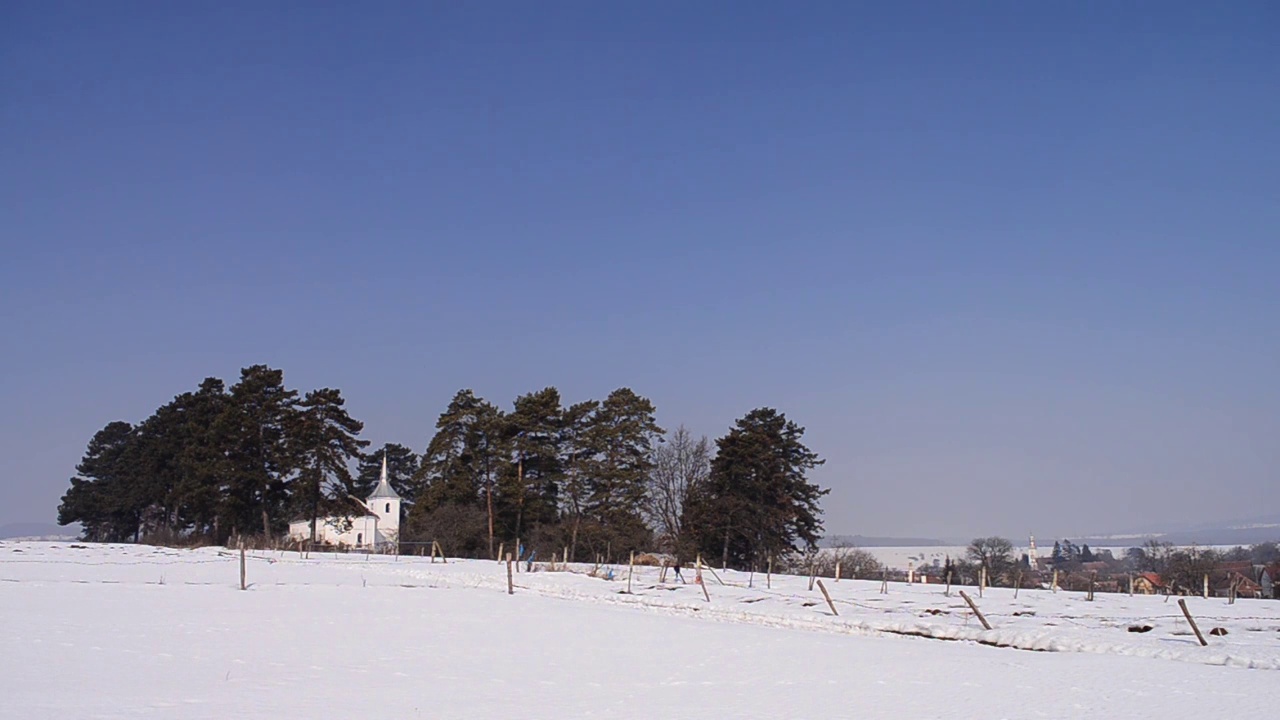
(1246, 587)
(1269, 581)
(374, 524)
(1148, 584)
(1102, 567)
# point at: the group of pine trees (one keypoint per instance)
(597, 477)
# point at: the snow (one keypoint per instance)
(142, 632)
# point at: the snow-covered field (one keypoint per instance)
(142, 632)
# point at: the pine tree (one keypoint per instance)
(528, 490)
(201, 459)
(579, 448)
(623, 433)
(322, 441)
(463, 461)
(1070, 552)
(1058, 559)
(259, 410)
(756, 500)
(96, 498)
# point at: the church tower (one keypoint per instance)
(385, 503)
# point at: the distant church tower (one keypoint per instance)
(385, 503)
(1031, 556)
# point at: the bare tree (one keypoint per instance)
(993, 553)
(853, 562)
(679, 466)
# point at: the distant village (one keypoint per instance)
(1153, 568)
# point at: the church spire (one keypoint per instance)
(384, 489)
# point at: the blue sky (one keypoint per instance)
(1013, 266)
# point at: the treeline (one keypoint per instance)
(597, 477)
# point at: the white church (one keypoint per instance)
(377, 527)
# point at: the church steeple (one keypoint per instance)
(384, 489)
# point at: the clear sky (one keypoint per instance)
(1015, 266)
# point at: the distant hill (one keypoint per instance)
(1250, 531)
(866, 541)
(38, 531)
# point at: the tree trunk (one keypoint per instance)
(520, 502)
(266, 524)
(726, 548)
(573, 547)
(489, 501)
(315, 505)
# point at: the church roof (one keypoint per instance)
(384, 489)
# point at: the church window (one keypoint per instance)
(359, 538)
(388, 507)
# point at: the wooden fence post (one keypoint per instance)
(519, 554)
(768, 577)
(242, 583)
(631, 566)
(702, 581)
(1092, 577)
(837, 571)
(884, 582)
(501, 548)
(1017, 584)
(982, 579)
(1130, 584)
(1182, 603)
(975, 609)
(1054, 586)
(948, 592)
(830, 604)
(511, 588)
(1206, 586)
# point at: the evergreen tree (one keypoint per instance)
(1086, 555)
(97, 495)
(756, 500)
(579, 446)
(1057, 558)
(322, 442)
(202, 464)
(528, 490)
(1070, 552)
(623, 434)
(254, 428)
(463, 461)
(155, 465)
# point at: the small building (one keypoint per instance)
(1269, 581)
(1147, 584)
(374, 523)
(1245, 586)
